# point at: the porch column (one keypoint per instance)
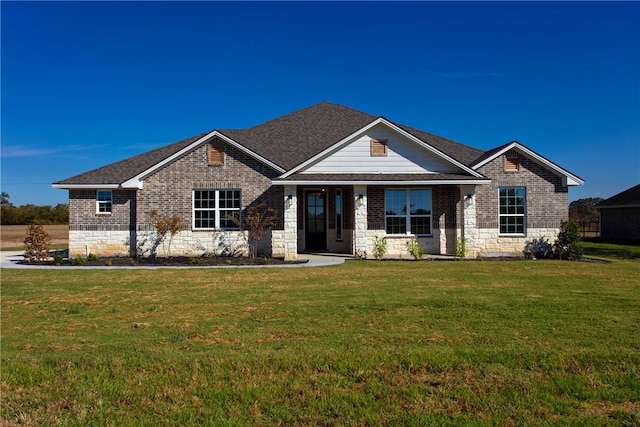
(290, 243)
(360, 246)
(469, 228)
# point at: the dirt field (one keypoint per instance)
(12, 236)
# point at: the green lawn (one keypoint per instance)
(365, 343)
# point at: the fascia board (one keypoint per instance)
(136, 181)
(569, 178)
(381, 182)
(84, 186)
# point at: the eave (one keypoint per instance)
(568, 179)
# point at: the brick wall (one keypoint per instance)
(169, 190)
(83, 216)
(547, 199)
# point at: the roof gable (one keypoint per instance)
(569, 179)
(406, 154)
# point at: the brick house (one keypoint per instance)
(337, 179)
(620, 215)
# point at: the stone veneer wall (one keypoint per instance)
(547, 206)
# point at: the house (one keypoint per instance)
(337, 178)
(620, 215)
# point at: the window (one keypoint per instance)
(408, 211)
(104, 202)
(216, 209)
(512, 210)
(338, 214)
(215, 153)
(378, 148)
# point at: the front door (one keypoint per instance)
(315, 220)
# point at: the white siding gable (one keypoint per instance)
(403, 156)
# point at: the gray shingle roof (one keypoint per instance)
(630, 197)
(286, 141)
(290, 140)
(123, 170)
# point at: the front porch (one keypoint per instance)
(347, 218)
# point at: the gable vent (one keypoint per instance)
(378, 148)
(215, 153)
(511, 163)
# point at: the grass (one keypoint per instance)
(365, 343)
(599, 248)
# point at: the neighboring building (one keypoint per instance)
(337, 178)
(620, 215)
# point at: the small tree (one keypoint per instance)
(568, 245)
(37, 244)
(258, 219)
(165, 225)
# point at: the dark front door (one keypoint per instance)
(315, 221)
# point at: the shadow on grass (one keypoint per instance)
(621, 249)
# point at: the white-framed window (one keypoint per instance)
(407, 211)
(216, 209)
(104, 202)
(512, 210)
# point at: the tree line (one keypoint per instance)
(32, 214)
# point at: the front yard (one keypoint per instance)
(365, 343)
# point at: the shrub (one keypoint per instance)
(37, 244)
(379, 247)
(461, 247)
(538, 248)
(414, 249)
(58, 257)
(80, 260)
(568, 244)
(92, 257)
(194, 260)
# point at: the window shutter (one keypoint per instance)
(215, 153)
(378, 148)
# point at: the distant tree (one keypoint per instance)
(4, 199)
(582, 210)
(32, 214)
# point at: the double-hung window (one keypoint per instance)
(104, 202)
(216, 209)
(512, 210)
(407, 211)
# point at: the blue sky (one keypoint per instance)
(85, 84)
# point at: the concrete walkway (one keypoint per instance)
(11, 259)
